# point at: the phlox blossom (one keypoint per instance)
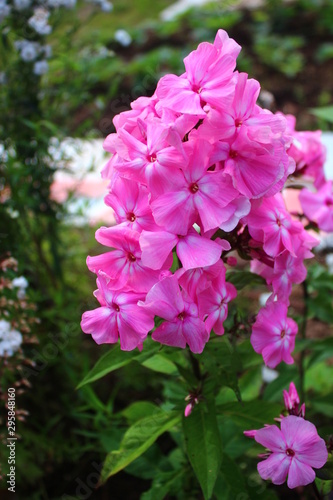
(182, 324)
(119, 317)
(295, 450)
(273, 334)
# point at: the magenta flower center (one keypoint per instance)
(181, 316)
(115, 307)
(131, 257)
(290, 452)
(131, 217)
(238, 122)
(194, 188)
(152, 158)
(196, 89)
(329, 201)
(283, 333)
(232, 154)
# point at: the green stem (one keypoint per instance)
(195, 366)
(303, 336)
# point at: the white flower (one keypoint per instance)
(106, 6)
(268, 375)
(122, 37)
(30, 51)
(39, 20)
(10, 342)
(20, 282)
(5, 327)
(41, 67)
(21, 4)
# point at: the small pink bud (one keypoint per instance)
(232, 261)
(302, 411)
(188, 410)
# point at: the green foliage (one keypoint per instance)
(203, 445)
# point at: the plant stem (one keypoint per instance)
(303, 336)
(317, 493)
(195, 366)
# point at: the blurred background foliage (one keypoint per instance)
(93, 75)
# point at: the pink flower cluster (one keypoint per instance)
(309, 155)
(294, 449)
(196, 172)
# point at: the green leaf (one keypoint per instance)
(323, 404)
(139, 410)
(203, 445)
(163, 484)
(326, 113)
(243, 278)
(137, 439)
(161, 364)
(230, 482)
(250, 414)
(115, 359)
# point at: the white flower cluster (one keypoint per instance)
(55, 4)
(20, 283)
(10, 339)
(29, 51)
(39, 21)
(122, 37)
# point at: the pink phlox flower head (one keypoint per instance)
(318, 207)
(295, 450)
(273, 334)
(182, 324)
(213, 303)
(119, 317)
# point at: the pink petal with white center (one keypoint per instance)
(275, 468)
(300, 474)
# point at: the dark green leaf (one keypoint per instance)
(137, 439)
(203, 445)
(243, 278)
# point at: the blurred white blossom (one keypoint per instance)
(10, 341)
(21, 283)
(122, 37)
(41, 67)
(329, 262)
(29, 51)
(39, 21)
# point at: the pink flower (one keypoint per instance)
(130, 203)
(123, 265)
(295, 450)
(318, 207)
(119, 317)
(182, 324)
(197, 192)
(208, 77)
(271, 224)
(213, 303)
(273, 334)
